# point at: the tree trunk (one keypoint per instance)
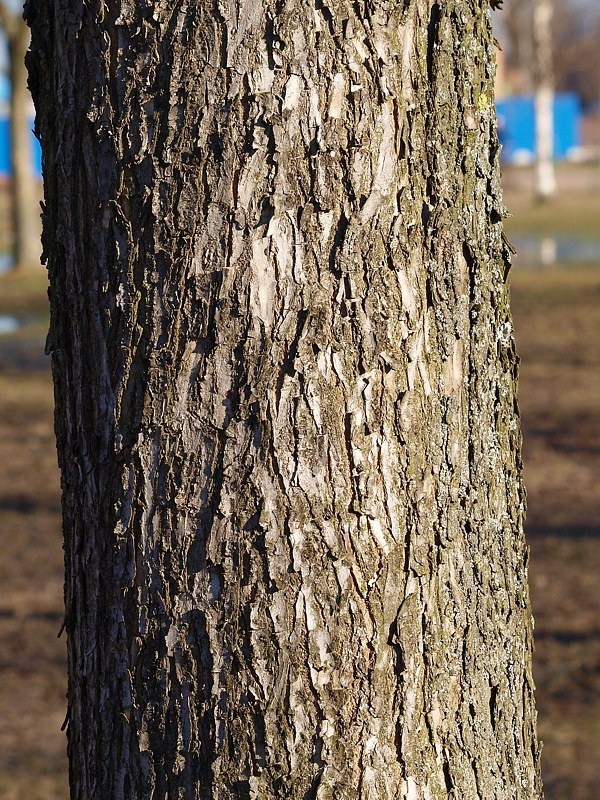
(24, 194)
(286, 416)
(518, 23)
(545, 179)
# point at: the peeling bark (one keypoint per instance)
(286, 417)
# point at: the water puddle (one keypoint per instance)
(544, 251)
(6, 262)
(9, 324)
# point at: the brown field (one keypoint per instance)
(557, 322)
(32, 658)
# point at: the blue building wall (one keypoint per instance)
(5, 163)
(36, 152)
(516, 125)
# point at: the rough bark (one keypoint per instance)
(24, 194)
(286, 417)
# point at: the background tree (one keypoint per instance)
(24, 192)
(576, 33)
(545, 179)
(286, 415)
(575, 29)
(519, 49)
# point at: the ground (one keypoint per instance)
(557, 324)
(32, 658)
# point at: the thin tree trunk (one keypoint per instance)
(518, 23)
(286, 417)
(545, 179)
(24, 192)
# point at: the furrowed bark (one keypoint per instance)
(286, 417)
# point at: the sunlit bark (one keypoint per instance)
(286, 417)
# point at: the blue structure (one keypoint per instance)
(516, 126)
(36, 152)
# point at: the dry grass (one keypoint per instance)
(574, 209)
(24, 294)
